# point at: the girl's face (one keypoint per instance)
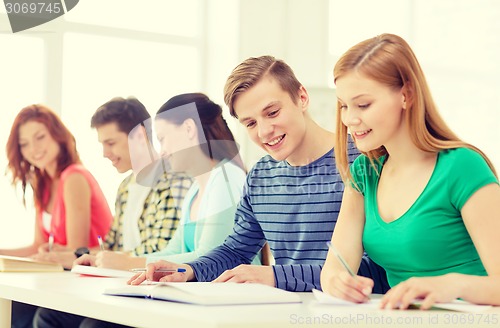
(372, 112)
(175, 141)
(37, 145)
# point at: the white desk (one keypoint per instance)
(83, 295)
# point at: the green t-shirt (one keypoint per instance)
(430, 239)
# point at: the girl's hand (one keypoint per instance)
(430, 289)
(355, 289)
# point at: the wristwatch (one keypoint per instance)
(81, 251)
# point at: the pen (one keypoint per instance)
(99, 239)
(341, 259)
(51, 241)
(159, 270)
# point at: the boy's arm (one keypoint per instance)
(297, 277)
(240, 247)
(305, 277)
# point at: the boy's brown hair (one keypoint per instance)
(252, 70)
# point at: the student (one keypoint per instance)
(195, 139)
(408, 200)
(292, 196)
(147, 208)
(69, 203)
(146, 224)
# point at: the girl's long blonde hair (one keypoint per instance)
(388, 59)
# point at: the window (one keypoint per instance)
(151, 71)
(22, 70)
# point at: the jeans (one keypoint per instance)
(22, 315)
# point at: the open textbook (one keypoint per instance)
(208, 293)
(456, 305)
(101, 272)
(26, 264)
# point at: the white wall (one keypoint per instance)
(297, 32)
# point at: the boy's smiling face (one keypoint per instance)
(115, 146)
(272, 119)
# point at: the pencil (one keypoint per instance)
(341, 259)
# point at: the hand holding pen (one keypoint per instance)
(348, 285)
(162, 271)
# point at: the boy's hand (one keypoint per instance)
(249, 273)
(85, 259)
(112, 260)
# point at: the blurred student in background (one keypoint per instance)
(70, 206)
(195, 139)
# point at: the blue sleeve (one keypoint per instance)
(305, 277)
(240, 247)
(298, 277)
(370, 269)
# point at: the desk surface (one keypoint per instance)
(81, 295)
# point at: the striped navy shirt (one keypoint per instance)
(295, 210)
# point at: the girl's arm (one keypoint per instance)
(481, 215)
(77, 196)
(347, 239)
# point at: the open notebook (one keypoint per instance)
(25, 264)
(456, 305)
(208, 293)
(101, 272)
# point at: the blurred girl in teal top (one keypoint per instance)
(421, 202)
(195, 139)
